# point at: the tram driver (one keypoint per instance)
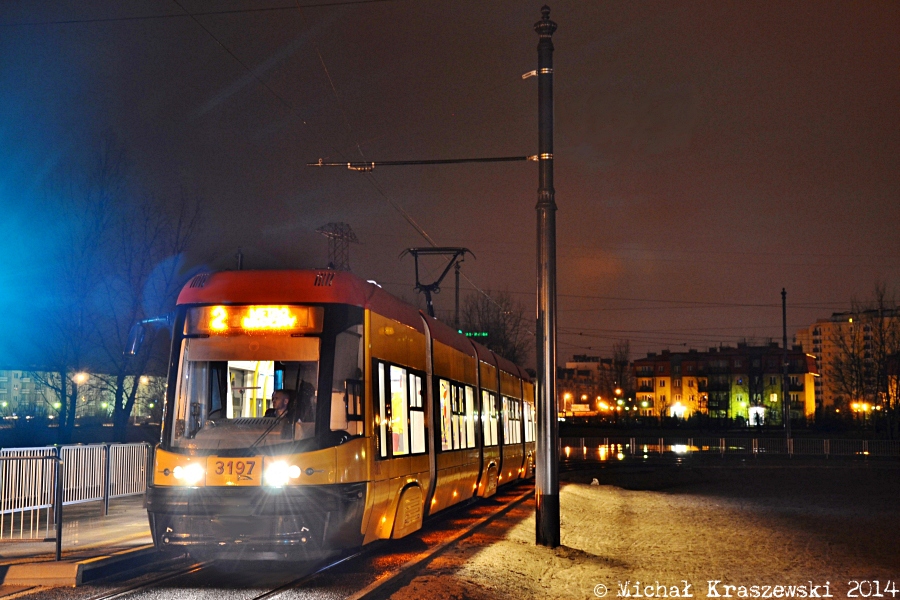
(305, 412)
(280, 401)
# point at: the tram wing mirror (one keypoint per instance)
(135, 339)
(137, 332)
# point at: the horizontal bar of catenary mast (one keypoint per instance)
(368, 166)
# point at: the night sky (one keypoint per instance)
(707, 154)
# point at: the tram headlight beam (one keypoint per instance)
(189, 474)
(280, 473)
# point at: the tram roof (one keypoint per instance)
(296, 287)
(318, 286)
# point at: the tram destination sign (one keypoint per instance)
(242, 320)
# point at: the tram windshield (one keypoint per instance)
(225, 387)
(233, 358)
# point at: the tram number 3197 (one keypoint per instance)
(235, 467)
(233, 472)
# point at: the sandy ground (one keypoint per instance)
(670, 526)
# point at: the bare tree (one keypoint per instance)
(145, 273)
(619, 375)
(84, 207)
(863, 370)
(621, 364)
(119, 261)
(503, 320)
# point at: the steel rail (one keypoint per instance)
(310, 576)
(368, 592)
(130, 589)
(374, 590)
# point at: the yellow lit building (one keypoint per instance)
(743, 382)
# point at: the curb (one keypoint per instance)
(66, 572)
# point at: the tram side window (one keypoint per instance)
(401, 412)
(489, 417)
(470, 417)
(416, 415)
(457, 415)
(444, 393)
(512, 420)
(529, 422)
(346, 387)
(381, 421)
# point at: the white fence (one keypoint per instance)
(603, 449)
(27, 495)
(31, 501)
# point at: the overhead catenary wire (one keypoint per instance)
(374, 182)
(205, 13)
(259, 80)
(293, 111)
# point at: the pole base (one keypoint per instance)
(547, 520)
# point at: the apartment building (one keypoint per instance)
(27, 395)
(860, 332)
(585, 385)
(728, 382)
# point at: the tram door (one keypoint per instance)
(251, 386)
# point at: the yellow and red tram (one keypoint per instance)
(393, 417)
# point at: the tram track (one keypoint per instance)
(399, 576)
(124, 591)
(360, 575)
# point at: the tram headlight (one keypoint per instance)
(279, 473)
(189, 474)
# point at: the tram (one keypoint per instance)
(392, 417)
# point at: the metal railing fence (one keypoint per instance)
(35, 483)
(129, 467)
(84, 473)
(607, 448)
(29, 485)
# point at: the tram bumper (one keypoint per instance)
(288, 522)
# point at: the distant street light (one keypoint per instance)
(81, 377)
